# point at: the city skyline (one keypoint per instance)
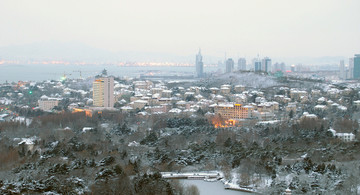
(54, 52)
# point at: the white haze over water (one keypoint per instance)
(14, 73)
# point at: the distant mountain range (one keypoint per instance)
(76, 51)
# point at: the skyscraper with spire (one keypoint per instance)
(199, 65)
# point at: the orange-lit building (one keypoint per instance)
(103, 92)
(233, 111)
(88, 112)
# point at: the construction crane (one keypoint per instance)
(81, 72)
(65, 76)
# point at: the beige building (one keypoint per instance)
(233, 111)
(139, 104)
(47, 104)
(103, 92)
(291, 107)
(225, 89)
(296, 94)
(239, 88)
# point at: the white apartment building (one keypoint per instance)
(47, 104)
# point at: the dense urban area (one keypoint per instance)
(256, 131)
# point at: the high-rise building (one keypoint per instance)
(199, 65)
(229, 65)
(257, 64)
(292, 68)
(282, 67)
(342, 70)
(103, 92)
(266, 65)
(279, 67)
(356, 66)
(351, 68)
(242, 64)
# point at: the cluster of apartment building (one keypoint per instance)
(351, 70)
(231, 102)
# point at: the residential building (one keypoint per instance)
(346, 137)
(47, 104)
(233, 111)
(103, 92)
(139, 104)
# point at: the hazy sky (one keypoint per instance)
(286, 28)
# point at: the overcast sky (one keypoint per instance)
(281, 28)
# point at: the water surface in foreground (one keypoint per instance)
(212, 188)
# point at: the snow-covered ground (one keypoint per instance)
(192, 175)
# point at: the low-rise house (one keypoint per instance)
(320, 107)
(346, 137)
(214, 90)
(297, 94)
(291, 107)
(139, 104)
(321, 100)
(239, 88)
(126, 109)
(357, 103)
(166, 93)
(225, 89)
(310, 116)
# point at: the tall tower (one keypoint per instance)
(356, 66)
(351, 68)
(103, 92)
(242, 64)
(266, 65)
(282, 66)
(342, 70)
(199, 65)
(229, 65)
(257, 64)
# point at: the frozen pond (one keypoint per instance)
(212, 188)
